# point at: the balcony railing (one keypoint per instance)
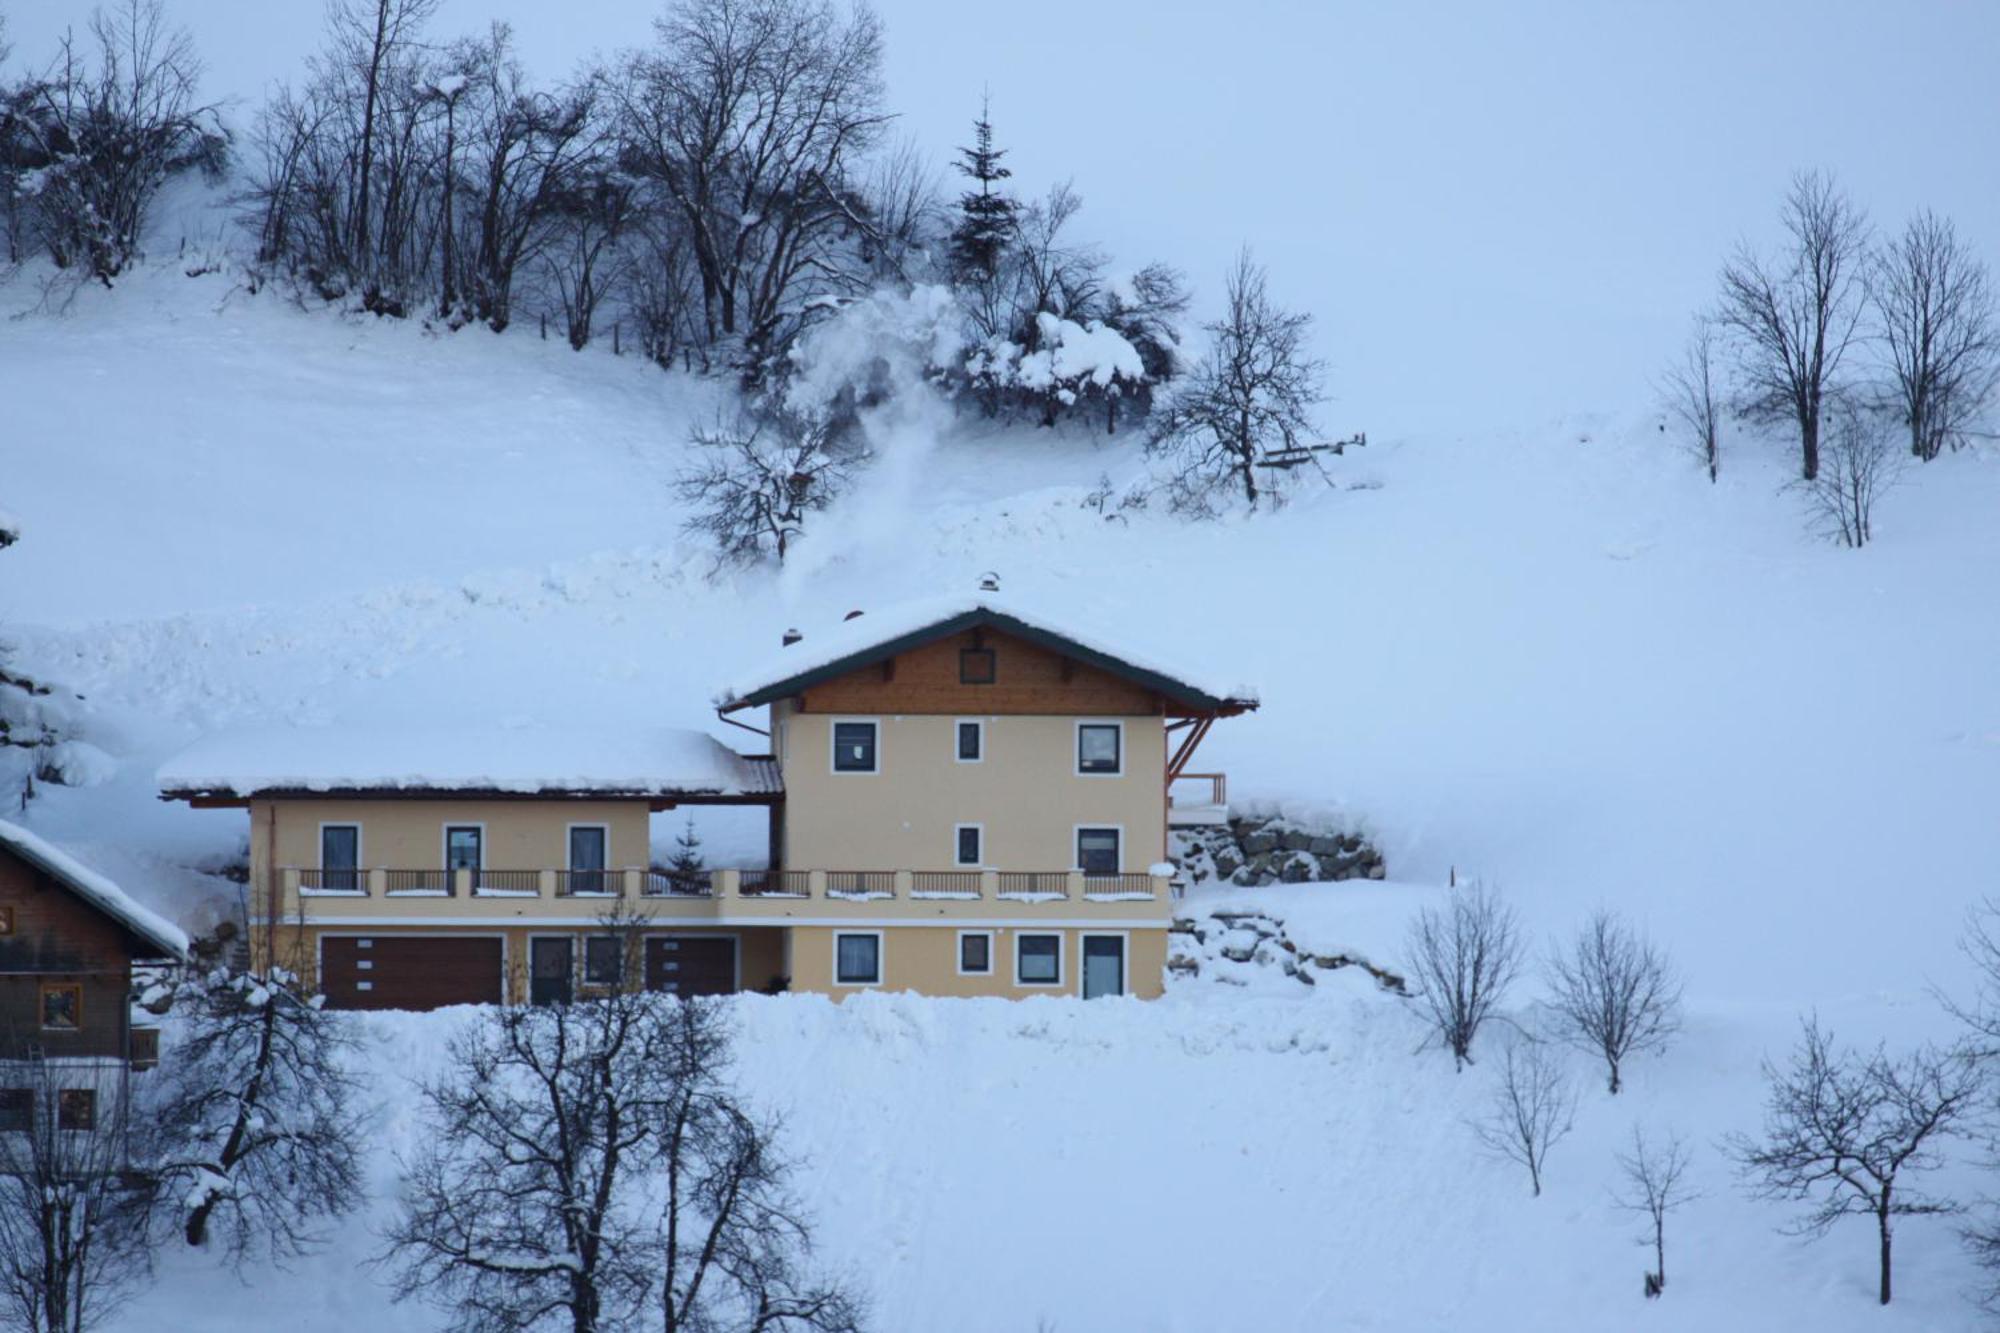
(851, 886)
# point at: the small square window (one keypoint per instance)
(968, 844)
(6, 918)
(976, 666)
(854, 747)
(1038, 960)
(603, 960)
(857, 960)
(975, 955)
(62, 1008)
(17, 1109)
(76, 1108)
(1098, 746)
(1097, 851)
(971, 742)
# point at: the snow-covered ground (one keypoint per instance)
(1554, 657)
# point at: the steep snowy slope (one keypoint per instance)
(1555, 657)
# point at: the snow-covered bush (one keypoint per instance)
(757, 476)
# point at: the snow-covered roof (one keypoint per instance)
(94, 889)
(868, 638)
(517, 761)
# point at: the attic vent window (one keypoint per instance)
(976, 666)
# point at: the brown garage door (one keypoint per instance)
(691, 964)
(409, 972)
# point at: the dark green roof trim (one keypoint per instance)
(1180, 692)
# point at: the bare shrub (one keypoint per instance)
(1613, 992)
(1534, 1108)
(1859, 465)
(1462, 960)
(1692, 397)
(1655, 1185)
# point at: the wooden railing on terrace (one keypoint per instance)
(829, 885)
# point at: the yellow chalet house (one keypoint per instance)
(964, 799)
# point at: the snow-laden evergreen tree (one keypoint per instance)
(987, 215)
(261, 1113)
(687, 868)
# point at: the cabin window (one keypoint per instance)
(976, 666)
(971, 742)
(76, 1108)
(603, 961)
(854, 748)
(17, 1110)
(6, 918)
(62, 1007)
(1097, 851)
(1038, 960)
(857, 959)
(340, 857)
(968, 849)
(1100, 747)
(975, 954)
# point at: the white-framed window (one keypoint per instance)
(1037, 958)
(464, 846)
(857, 745)
(340, 858)
(975, 953)
(1100, 849)
(857, 958)
(588, 852)
(968, 741)
(968, 845)
(1100, 749)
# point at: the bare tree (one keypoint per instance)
(1462, 960)
(1843, 1132)
(1534, 1108)
(1796, 317)
(589, 1168)
(105, 128)
(1980, 943)
(745, 118)
(261, 1115)
(1655, 1185)
(1860, 464)
(72, 1213)
(1934, 306)
(1253, 389)
(1692, 396)
(757, 477)
(1613, 992)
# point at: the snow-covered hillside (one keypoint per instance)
(1553, 657)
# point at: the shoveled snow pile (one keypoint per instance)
(609, 760)
(93, 887)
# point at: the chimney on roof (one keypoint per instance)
(989, 582)
(792, 636)
(851, 615)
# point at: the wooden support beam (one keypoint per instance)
(1185, 752)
